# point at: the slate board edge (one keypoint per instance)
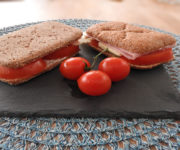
(128, 115)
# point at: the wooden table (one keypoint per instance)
(146, 12)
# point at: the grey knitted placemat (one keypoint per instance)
(88, 133)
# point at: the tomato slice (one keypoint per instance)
(28, 70)
(63, 52)
(153, 58)
(94, 43)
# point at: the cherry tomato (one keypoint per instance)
(94, 83)
(116, 68)
(63, 52)
(28, 70)
(73, 67)
(153, 58)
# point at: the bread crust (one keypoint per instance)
(50, 65)
(129, 37)
(26, 45)
(143, 67)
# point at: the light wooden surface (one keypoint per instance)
(146, 12)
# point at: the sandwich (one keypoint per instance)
(142, 48)
(31, 51)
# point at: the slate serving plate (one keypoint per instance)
(149, 93)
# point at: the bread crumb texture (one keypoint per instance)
(21, 47)
(129, 37)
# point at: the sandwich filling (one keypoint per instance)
(161, 55)
(39, 65)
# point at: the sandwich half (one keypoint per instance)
(142, 48)
(33, 50)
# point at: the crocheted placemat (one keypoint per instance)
(88, 133)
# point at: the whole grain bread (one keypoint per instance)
(129, 37)
(143, 67)
(21, 47)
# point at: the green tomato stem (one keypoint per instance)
(96, 57)
(86, 68)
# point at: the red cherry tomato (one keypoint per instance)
(116, 68)
(27, 71)
(73, 67)
(94, 83)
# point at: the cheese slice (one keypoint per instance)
(110, 49)
(85, 39)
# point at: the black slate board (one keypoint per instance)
(147, 93)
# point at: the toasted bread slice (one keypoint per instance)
(129, 37)
(26, 45)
